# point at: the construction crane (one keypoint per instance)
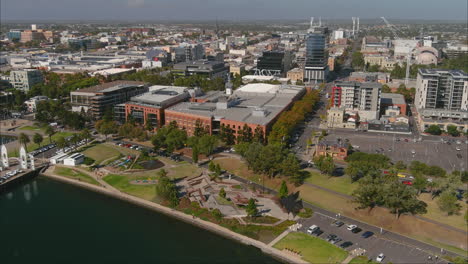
(408, 56)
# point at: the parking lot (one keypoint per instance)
(432, 152)
(374, 245)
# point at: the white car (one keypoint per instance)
(413, 151)
(458, 148)
(351, 227)
(312, 228)
(380, 258)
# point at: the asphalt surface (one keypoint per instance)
(394, 252)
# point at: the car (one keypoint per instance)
(337, 223)
(367, 234)
(458, 142)
(317, 232)
(330, 237)
(346, 244)
(336, 240)
(413, 151)
(406, 140)
(356, 230)
(351, 227)
(458, 148)
(459, 155)
(380, 258)
(312, 228)
(407, 182)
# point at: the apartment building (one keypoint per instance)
(361, 97)
(25, 79)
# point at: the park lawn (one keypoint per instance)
(171, 162)
(101, 153)
(74, 174)
(223, 201)
(434, 213)
(31, 128)
(183, 170)
(324, 199)
(312, 249)
(122, 183)
(341, 184)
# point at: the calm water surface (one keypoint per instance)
(44, 221)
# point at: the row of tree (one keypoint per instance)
(57, 86)
(436, 130)
(288, 120)
(55, 111)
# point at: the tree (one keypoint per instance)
(212, 166)
(258, 135)
(325, 164)
(368, 194)
(227, 135)
(400, 165)
(419, 183)
(453, 131)
(386, 89)
(75, 138)
(283, 191)
(448, 202)
(207, 144)
(106, 127)
(357, 60)
(195, 153)
(167, 190)
(433, 130)
(49, 131)
(401, 198)
(37, 138)
(244, 134)
(199, 129)
(251, 208)
(290, 166)
(222, 193)
(61, 142)
(85, 134)
(24, 140)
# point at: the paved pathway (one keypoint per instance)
(278, 238)
(347, 259)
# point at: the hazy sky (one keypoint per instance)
(229, 9)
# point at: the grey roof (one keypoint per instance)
(359, 84)
(252, 108)
(161, 96)
(436, 72)
(391, 98)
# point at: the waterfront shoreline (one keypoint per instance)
(212, 227)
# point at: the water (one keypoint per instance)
(44, 221)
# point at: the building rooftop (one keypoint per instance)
(391, 98)
(249, 107)
(161, 96)
(109, 87)
(454, 73)
(359, 84)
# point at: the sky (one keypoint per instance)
(133, 10)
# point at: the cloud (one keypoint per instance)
(136, 3)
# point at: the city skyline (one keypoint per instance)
(157, 10)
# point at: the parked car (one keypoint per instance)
(407, 182)
(356, 230)
(458, 148)
(346, 244)
(459, 155)
(312, 228)
(337, 223)
(380, 258)
(330, 237)
(367, 234)
(351, 227)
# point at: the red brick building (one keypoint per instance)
(336, 150)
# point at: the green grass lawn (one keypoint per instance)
(74, 174)
(361, 260)
(101, 152)
(32, 128)
(312, 249)
(147, 192)
(223, 201)
(338, 184)
(434, 213)
(183, 170)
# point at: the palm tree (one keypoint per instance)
(85, 134)
(75, 139)
(24, 140)
(50, 132)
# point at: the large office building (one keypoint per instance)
(149, 107)
(273, 63)
(315, 69)
(187, 53)
(209, 69)
(361, 97)
(442, 98)
(255, 105)
(25, 79)
(96, 100)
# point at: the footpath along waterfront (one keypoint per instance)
(45, 221)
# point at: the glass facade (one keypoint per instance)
(315, 50)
